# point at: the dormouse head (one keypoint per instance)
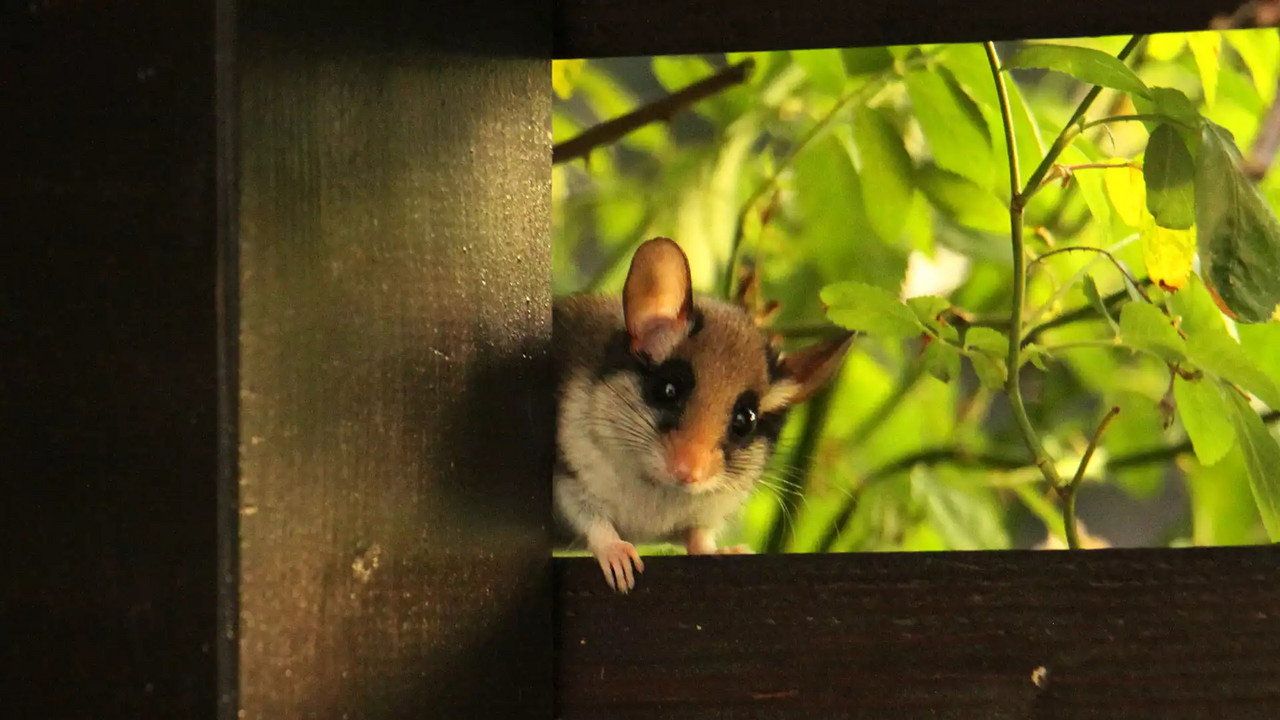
(711, 388)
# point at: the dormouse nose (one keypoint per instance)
(690, 462)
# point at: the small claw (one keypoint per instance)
(616, 561)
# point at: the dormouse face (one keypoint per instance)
(706, 394)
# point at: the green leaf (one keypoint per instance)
(1206, 48)
(1170, 173)
(869, 309)
(928, 307)
(1175, 105)
(1262, 344)
(862, 61)
(1092, 66)
(1144, 327)
(1223, 511)
(1036, 355)
(1237, 234)
(563, 75)
(969, 204)
(1128, 193)
(1090, 184)
(1260, 51)
(952, 124)
(1206, 415)
(1262, 458)
(886, 171)
(1213, 350)
(942, 359)
(825, 68)
(967, 517)
(1095, 299)
(990, 349)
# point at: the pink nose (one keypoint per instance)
(687, 465)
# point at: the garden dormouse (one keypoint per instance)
(668, 408)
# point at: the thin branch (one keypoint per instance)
(1069, 492)
(1140, 117)
(1068, 133)
(1012, 387)
(1266, 142)
(662, 109)
(1133, 281)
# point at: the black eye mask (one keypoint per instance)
(667, 388)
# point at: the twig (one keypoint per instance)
(1069, 492)
(1265, 143)
(1141, 117)
(1012, 387)
(661, 109)
(1133, 281)
(1068, 132)
(1084, 312)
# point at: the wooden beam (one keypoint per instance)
(1098, 634)
(602, 28)
(395, 428)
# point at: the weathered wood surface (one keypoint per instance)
(598, 28)
(1119, 634)
(395, 318)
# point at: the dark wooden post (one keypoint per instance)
(274, 316)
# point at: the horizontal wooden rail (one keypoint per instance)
(1101, 634)
(599, 28)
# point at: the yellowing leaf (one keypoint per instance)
(1128, 193)
(564, 73)
(1167, 253)
(1165, 46)
(1206, 47)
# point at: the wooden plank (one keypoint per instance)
(1119, 633)
(603, 28)
(395, 427)
(109, 362)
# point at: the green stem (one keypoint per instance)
(1069, 492)
(1012, 386)
(1069, 131)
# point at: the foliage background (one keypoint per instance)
(887, 166)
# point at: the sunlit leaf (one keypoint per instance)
(1210, 348)
(676, 72)
(1262, 344)
(1092, 66)
(1127, 191)
(825, 68)
(1165, 46)
(1095, 299)
(1262, 459)
(563, 75)
(869, 309)
(1238, 234)
(952, 123)
(1260, 51)
(1170, 173)
(1206, 415)
(1144, 327)
(966, 202)
(886, 170)
(1090, 183)
(1223, 511)
(1206, 47)
(1168, 254)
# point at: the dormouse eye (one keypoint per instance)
(742, 423)
(669, 384)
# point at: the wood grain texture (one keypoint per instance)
(395, 417)
(109, 362)
(604, 28)
(1119, 633)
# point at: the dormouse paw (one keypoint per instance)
(736, 550)
(620, 562)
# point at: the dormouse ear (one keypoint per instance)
(658, 298)
(804, 371)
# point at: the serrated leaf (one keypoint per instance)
(1092, 66)
(1144, 327)
(1262, 459)
(1211, 349)
(969, 204)
(942, 359)
(1206, 48)
(928, 307)
(1238, 235)
(1095, 299)
(886, 170)
(990, 349)
(952, 124)
(1127, 192)
(1206, 415)
(1168, 254)
(869, 309)
(1170, 173)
